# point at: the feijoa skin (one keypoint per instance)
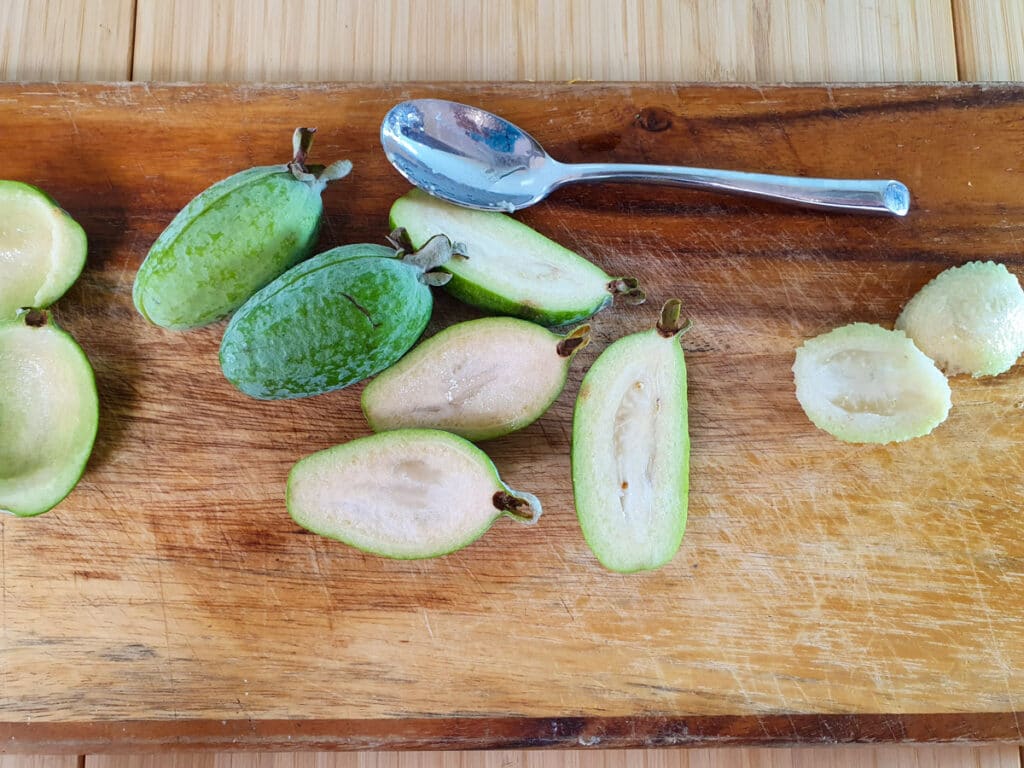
(631, 448)
(48, 414)
(507, 268)
(330, 322)
(42, 249)
(406, 494)
(233, 239)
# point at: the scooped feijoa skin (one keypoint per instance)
(479, 379)
(507, 268)
(232, 239)
(42, 249)
(48, 414)
(968, 319)
(863, 383)
(631, 448)
(331, 321)
(406, 494)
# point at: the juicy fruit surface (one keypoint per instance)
(48, 416)
(227, 243)
(327, 323)
(42, 249)
(404, 494)
(630, 452)
(969, 319)
(479, 379)
(511, 269)
(865, 384)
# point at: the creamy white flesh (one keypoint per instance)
(403, 494)
(478, 379)
(969, 319)
(504, 255)
(630, 458)
(48, 416)
(41, 250)
(865, 384)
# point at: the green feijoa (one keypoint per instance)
(331, 321)
(234, 238)
(631, 448)
(48, 414)
(508, 268)
(42, 249)
(406, 494)
(479, 379)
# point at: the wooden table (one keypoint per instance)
(729, 40)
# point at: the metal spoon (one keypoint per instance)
(478, 160)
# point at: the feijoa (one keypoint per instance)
(479, 379)
(42, 249)
(48, 414)
(968, 319)
(508, 268)
(631, 448)
(234, 238)
(866, 384)
(331, 321)
(407, 494)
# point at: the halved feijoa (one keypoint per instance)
(234, 238)
(509, 268)
(631, 448)
(42, 249)
(407, 494)
(479, 379)
(48, 414)
(968, 319)
(865, 384)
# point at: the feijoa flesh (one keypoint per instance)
(331, 321)
(631, 448)
(42, 249)
(507, 268)
(48, 414)
(968, 319)
(479, 379)
(406, 494)
(232, 239)
(863, 383)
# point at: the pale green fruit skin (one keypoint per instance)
(596, 491)
(407, 442)
(37, 471)
(968, 319)
(72, 245)
(423, 216)
(479, 334)
(227, 243)
(304, 334)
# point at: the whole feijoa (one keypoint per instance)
(332, 321)
(234, 238)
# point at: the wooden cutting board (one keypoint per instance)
(823, 592)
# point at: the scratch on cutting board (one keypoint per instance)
(163, 610)
(426, 622)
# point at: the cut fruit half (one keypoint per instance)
(509, 268)
(631, 448)
(42, 249)
(479, 379)
(407, 494)
(48, 414)
(865, 384)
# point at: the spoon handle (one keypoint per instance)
(864, 195)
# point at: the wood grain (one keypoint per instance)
(38, 761)
(716, 40)
(989, 39)
(816, 578)
(947, 756)
(66, 39)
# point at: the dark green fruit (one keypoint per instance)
(232, 239)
